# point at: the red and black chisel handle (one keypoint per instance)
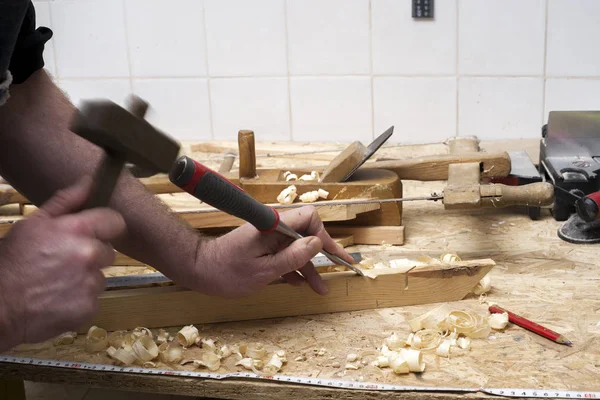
(216, 190)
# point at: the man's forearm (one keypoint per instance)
(41, 155)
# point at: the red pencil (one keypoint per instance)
(532, 326)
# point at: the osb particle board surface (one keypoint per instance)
(538, 276)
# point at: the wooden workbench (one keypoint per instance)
(538, 276)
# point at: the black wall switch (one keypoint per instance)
(422, 8)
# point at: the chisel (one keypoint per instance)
(217, 191)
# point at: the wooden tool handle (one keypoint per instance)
(105, 180)
(247, 154)
(535, 194)
(435, 168)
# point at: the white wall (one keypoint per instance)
(331, 70)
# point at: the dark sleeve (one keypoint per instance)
(27, 56)
(12, 13)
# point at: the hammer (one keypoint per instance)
(125, 136)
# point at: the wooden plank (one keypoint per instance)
(234, 389)
(435, 168)
(370, 234)
(12, 389)
(172, 306)
(213, 218)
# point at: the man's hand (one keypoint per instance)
(50, 263)
(245, 259)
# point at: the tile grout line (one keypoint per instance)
(330, 76)
(457, 74)
(287, 63)
(371, 74)
(127, 44)
(545, 63)
(208, 78)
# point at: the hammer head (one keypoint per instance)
(118, 131)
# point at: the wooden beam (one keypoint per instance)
(435, 168)
(12, 389)
(171, 306)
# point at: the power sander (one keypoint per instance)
(570, 159)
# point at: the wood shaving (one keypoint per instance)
(484, 286)
(323, 193)
(250, 363)
(96, 340)
(162, 337)
(414, 359)
(287, 195)
(145, 349)
(444, 348)
(430, 319)
(351, 366)
(351, 357)
(188, 335)
(65, 338)
(274, 364)
(464, 343)
(289, 176)
(125, 357)
(498, 321)
(449, 258)
(309, 197)
(170, 353)
(256, 351)
(398, 363)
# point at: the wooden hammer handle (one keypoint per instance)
(105, 180)
(538, 194)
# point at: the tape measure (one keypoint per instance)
(325, 382)
(114, 282)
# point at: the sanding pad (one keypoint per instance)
(575, 230)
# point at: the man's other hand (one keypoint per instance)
(244, 260)
(50, 263)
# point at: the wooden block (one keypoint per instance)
(345, 162)
(171, 306)
(462, 191)
(370, 234)
(435, 168)
(463, 144)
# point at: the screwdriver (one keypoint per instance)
(217, 191)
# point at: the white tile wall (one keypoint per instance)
(403, 46)
(331, 69)
(89, 38)
(116, 90)
(501, 37)
(179, 107)
(573, 38)
(259, 104)
(159, 47)
(500, 108)
(328, 37)
(572, 94)
(331, 109)
(422, 110)
(246, 38)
